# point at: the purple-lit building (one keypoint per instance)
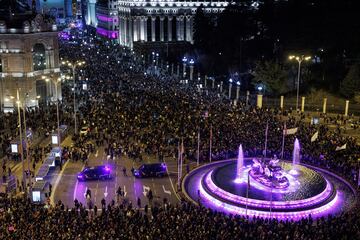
(147, 21)
(107, 20)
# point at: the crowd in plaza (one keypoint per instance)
(135, 109)
(24, 220)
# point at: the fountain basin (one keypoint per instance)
(311, 192)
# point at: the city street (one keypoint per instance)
(68, 188)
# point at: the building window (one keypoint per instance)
(39, 58)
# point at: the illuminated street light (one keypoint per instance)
(74, 65)
(191, 62)
(299, 59)
(230, 86)
(238, 90)
(184, 60)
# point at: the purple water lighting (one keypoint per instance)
(296, 153)
(225, 207)
(107, 33)
(240, 163)
(295, 204)
(199, 184)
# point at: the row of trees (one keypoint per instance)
(258, 39)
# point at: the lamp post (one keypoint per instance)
(57, 111)
(259, 100)
(157, 59)
(21, 140)
(2, 92)
(230, 86)
(27, 143)
(73, 66)
(57, 106)
(299, 59)
(238, 90)
(191, 62)
(184, 60)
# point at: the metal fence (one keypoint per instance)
(311, 106)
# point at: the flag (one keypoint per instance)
(182, 150)
(290, 131)
(343, 147)
(315, 136)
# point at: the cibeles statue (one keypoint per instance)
(37, 23)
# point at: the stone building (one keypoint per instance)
(29, 55)
(145, 21)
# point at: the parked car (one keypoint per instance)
(151, 170)
(95, 173)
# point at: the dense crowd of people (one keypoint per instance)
(136, 109)
(21, 219)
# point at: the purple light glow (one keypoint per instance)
(228, 208)
(266, 204)
(294, 183)
(196, 186)
(106, 18)
(64, 35)
(107, 33)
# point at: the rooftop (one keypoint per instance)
(16, 16)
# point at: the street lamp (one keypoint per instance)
(300, 59)
(73, 66)
(230, 86)
(57, 111)
(2, 91)
(191, 62)
(157, 59)
(238, 90)
(184, 60)
(21, 140)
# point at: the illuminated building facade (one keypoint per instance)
(29, 54)
(149, 20)
(107, 20)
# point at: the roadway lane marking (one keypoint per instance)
(76, 185)
(84, 193)
(166, 191)
(145, 190)
(57, 183)
(172, 185)
(106, 192)
(134, 187)
(125, 193)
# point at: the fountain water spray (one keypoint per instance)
(240, 164)
(296, 157)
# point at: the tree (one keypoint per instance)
(272, 75)
(351, 83)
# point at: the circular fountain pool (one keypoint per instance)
(310, 191)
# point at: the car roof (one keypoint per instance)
(152, 164)
(95, 167)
